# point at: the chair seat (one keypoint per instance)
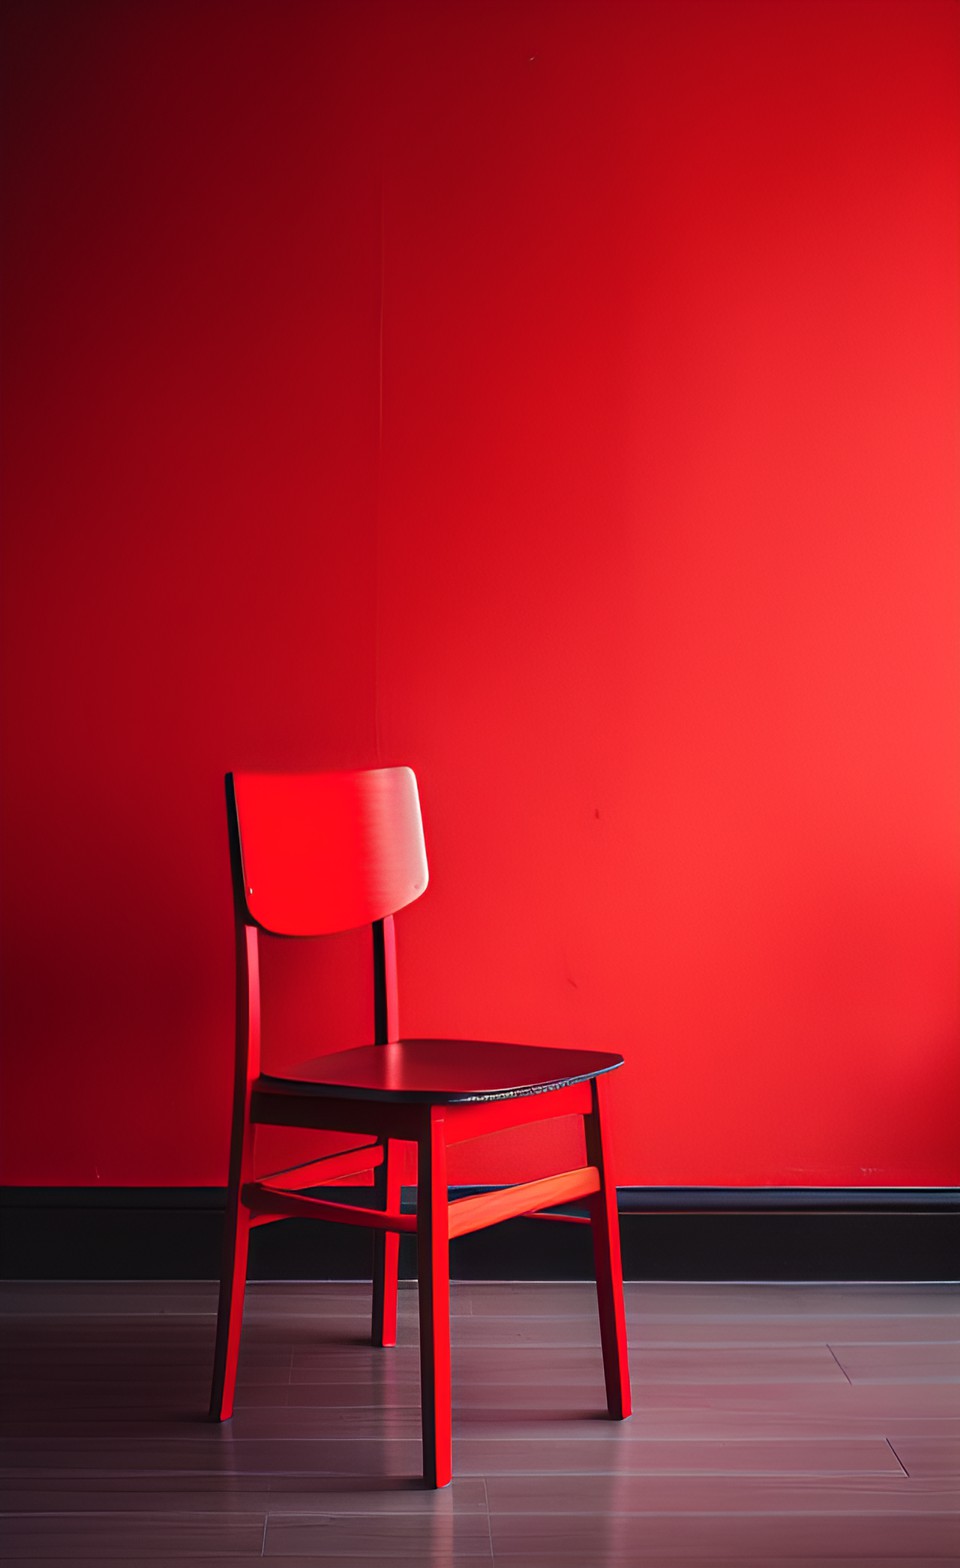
(441, 1072)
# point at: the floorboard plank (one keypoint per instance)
(628, 1539)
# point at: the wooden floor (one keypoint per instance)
(775, 1425)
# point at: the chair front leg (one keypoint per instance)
(605, 1226)
(386, 1249)
(433, 1251)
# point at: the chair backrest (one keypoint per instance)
(315, 853)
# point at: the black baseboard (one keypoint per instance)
(678, 1233)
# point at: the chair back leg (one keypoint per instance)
(233, 1283)
(386, 1249)
(605, 1226)
(236, 1242)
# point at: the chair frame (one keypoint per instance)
(385, 1125)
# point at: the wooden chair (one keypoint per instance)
(317, 853)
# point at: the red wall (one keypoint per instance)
(191, 352)
(559, 397)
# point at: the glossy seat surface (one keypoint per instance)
(442, 1072)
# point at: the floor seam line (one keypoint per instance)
(840, 1365)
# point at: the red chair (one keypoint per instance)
(317, 853)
